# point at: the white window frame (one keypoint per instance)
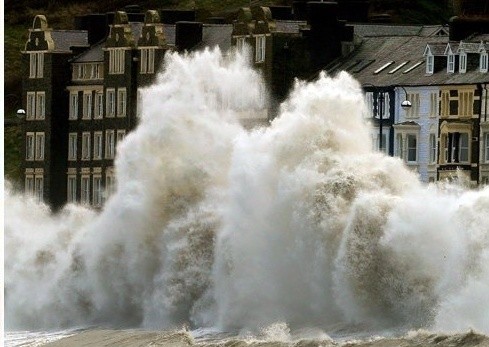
(72, 144)
(465, 149)
(116, 61)
(486, 146)
(31, 106)
(399, 146)
(36, 65)
(432, 140)
(369, 102)
(30, 146)
(39, 187)
(87, 105)
(73, 115)
(71, 189)
(40, 143)
(483, 62)
(462, 63)
(97, 190)
(409, 148)
(430, 64)
(86, 137)
(110, 101)
(29, 185)
(433, 104)
(147, 60)
(121, 102)
(98, 105)
(40, 105)
(109, 144)
(260, 48)
(98, 139)
(85, 189)
(451, 63)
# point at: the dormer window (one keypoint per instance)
(430, 64)
(451, 63)
(483, 62)
(462, 66)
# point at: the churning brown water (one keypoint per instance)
(292, 227)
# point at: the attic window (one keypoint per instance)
(430, 63)
(451, 63)
(483, 62)
(398, 67)
(383, 67)
(462, 67)
(413, 67)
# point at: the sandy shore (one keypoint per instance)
(123, 338)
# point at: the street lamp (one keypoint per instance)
(378, 105)
(20, 113)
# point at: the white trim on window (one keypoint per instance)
(29, 185)
(260, 48)
(116, 61)
(411, 148)
(451, 63)
(97, 190)
(98, 105)
(430, 64)
(462, 64)
(147, 65)
(36, 65)
(40, 105)
(85, 189)
(40, 140)
(31, 105)
(71, 189)
(87, 105)
(110, 99)
(73, 106)
(86, 136)
(486, 146)
(121, 102)
(483, 62)
(432, 148)
(72, 144)
(97, 145)
(39, 187)
(109, 144)
(29, 146)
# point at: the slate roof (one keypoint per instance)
(375, 30)
(94, 54)
(64, 39)
(407, 64)
(289, 26)
(215, 35)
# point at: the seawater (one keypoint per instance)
(299, 224)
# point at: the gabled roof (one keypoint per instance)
(437, 48)
(64, 39)
(468, 47)
(449, 49)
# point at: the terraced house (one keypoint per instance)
(81, 87)
(443, 74)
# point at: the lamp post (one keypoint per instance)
(379, 105)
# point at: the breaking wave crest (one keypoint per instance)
(216, 226)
